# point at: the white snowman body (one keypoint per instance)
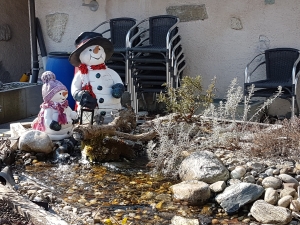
(51, 114)
(101, 80)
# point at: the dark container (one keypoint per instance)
(58, 63)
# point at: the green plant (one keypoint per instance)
(188, 98)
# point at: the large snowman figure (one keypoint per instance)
(55, 118)
(95, 86)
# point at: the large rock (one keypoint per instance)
(35, 141)
(272, 182)
(269, 214)
(204, 166)
(238, 172)
(288, 179)
(218, 186)
(178, 220)
(193, 191)
(271, 196)
(238, 195)
(285, 201)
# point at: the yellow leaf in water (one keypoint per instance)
(107, 222)
(124, 221)
(159, 205)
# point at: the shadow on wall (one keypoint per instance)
(4, 74)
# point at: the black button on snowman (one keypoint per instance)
(95, 86)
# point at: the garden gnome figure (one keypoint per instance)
(55, 118)
(95, 86)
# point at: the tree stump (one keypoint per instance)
(114, 141)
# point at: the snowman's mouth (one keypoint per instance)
(96, 57)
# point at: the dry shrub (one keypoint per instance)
(283, 140)
(174, 139)
(188, 98)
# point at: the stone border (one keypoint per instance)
(31, 211)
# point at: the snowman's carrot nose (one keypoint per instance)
(96, 49)
(65, 93)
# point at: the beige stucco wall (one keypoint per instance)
(212, 47)
(15, 52)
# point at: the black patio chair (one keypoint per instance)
(116, 30)
(281, 69)
(156, 58)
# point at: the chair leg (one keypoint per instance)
(144, 100)
(293, 106)
(297, 106)
(136, 103)
(135, 100)
(168, 78)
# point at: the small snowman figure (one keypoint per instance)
(95, 86)
(55, 118)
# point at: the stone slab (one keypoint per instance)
(31, 211)
(188, 12)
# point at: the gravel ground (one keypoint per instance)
(8, 216)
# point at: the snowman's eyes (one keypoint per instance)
(90, 49)
(60, 93)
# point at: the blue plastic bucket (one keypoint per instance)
(58, 63)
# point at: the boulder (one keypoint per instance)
(285, 201)
(178, 220)
(271, 196)
(193, 191)
(238, 195)
(266, 213)
(238, 172)
(218, 186)
(203, 166)
(35, 141)
(272, 182)
(288, 179)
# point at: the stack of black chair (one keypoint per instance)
(154, 56)
(116, 30)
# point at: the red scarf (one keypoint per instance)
(84, 69)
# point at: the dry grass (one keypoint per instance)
(281, 142)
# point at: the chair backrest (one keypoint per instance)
(119, 28)
(279, 63)
(159, 27)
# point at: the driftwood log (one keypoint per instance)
(113, 141)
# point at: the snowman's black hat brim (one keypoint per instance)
(85, 41)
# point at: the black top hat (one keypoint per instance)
(86, 39)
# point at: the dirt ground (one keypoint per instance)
(8, 216)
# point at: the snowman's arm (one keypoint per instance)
(115, 76)
(50, 119)
(76, 84)
(48, 116)
(73, 114)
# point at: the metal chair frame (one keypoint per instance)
(267, 87)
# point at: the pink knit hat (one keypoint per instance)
(51, 86)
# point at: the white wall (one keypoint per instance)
(212, 47)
